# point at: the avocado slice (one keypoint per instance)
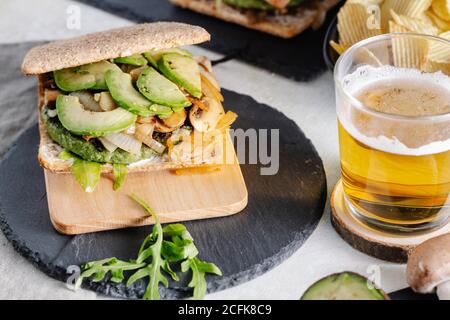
(125, 95)
(134, 60)
(151, 59)
(161, 111)
(158, 89)
(182, 70)
(88, 76)
(88, 123)
(99, 69)
(154, 56)
(344, 286)
(89, 150)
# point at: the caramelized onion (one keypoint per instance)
(125, 142)
(87, 100)
(111, 147)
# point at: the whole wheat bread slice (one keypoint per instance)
(111, 44)
(282, 25)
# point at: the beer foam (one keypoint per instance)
(368, 76)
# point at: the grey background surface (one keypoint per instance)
(17, 99)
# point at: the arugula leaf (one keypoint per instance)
(178, 250)
(87, 173)
(182, 245)
(153, 270)
(119, 172)
(167, 268)
(100, 268)
(177, 229)
(199, 269)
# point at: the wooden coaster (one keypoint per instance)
(390, 247)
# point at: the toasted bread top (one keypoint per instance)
(111, 44)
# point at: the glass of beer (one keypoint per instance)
(393, 107)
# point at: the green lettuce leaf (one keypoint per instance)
(120, 172)
(87, 173)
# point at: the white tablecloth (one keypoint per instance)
(310, 105)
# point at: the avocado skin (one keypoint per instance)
(86, 149)
(258, 4)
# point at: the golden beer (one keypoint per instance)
(396, 172)
(393, 108)
(395, 189)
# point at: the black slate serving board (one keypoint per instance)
(283, 210)
(299, 58)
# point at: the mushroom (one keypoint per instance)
(50, 96)
(171, 123)
(105, 101)
(206, 120)
(428, 268)
(162, 128)
(86, 98)
(136, 72)
(176, 119)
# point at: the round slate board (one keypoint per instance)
(282, 212)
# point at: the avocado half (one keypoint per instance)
(344, 286)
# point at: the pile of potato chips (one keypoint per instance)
(361, 19)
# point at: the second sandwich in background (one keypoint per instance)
(282, 18)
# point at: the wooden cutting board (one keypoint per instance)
(173, 197)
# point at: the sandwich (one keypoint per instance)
(282, 18)
(127, 100)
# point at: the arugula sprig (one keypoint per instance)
(161, 248)
(99, 269)
(182, 248)
(199, 269)
(153, 270)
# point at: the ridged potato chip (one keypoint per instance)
(409, 8)
(407, 53)
(438, 22)
(432, 66)
(356, 20)
(440, 52)
(442, 9)
(353, 20)
(364, 56)
(339, 48)
(414, 24)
